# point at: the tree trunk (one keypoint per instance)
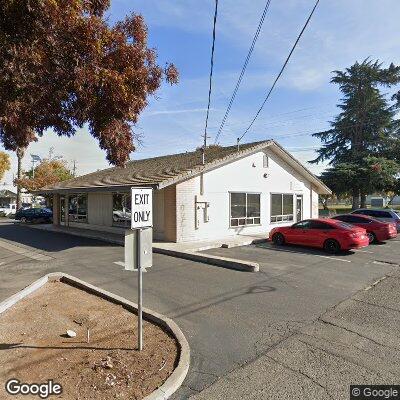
(363, 200)
(355, 199)
(20, 155)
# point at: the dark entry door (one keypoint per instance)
(299, 208)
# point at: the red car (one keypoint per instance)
(377, 231)
(330, 234)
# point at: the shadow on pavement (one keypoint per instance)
(46, 240)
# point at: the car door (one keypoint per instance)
(27, 214)
(298, 233)
(36, 215)
(385, 216)
(318, 232)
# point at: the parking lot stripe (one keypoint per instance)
(333, 258)
(308, 254)
(363, 251)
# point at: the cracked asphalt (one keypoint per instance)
(356, 341)
(269, 329)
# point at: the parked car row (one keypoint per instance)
(34, 215)
(341, 232)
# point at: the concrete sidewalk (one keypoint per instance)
(189, 251)
(356, 342)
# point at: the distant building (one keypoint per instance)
(375, 199)
(8, 201)
(237, 192)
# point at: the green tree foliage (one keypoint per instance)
(359, 145)
(393, 190)
(5, 163)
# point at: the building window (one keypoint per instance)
(245, 209)
(77, 208)
(281, 207)
(122, 210)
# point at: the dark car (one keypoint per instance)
(37, 215)
(377, 231)
(387, 215)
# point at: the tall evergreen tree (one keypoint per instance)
(364, 128)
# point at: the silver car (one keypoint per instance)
(387, 215)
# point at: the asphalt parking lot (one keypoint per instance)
(283, 256)
(230, 318)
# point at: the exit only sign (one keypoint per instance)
(142, 208)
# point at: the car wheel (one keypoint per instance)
(371, 237)
(23, 220)
(278, 239)
(332, 246)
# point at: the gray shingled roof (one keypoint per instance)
(159, 171)
(8, 194)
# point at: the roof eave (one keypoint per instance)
(299, 167)
(214, 164)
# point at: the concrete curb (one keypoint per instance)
(225, 262)
(175, 380)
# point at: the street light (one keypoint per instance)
(35, 158)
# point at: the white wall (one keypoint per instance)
(245, 175)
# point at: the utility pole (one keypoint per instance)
(74, 169)
(203, 150)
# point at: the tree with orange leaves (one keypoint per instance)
(48, 172)
(63, 66)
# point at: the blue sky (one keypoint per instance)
(340, 33)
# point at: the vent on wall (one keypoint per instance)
(265, 161)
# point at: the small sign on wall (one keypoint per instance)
(142, 208)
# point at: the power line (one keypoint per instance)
(243, 68)
(281, 71)
(211, 74)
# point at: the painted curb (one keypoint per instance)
(225, 262)
(175, 380)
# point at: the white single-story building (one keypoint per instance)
(245, 190)
(8, 202)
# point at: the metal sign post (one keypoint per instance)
(140, 291)
(141, 241)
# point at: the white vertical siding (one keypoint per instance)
(100, 209)
(244, 175)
